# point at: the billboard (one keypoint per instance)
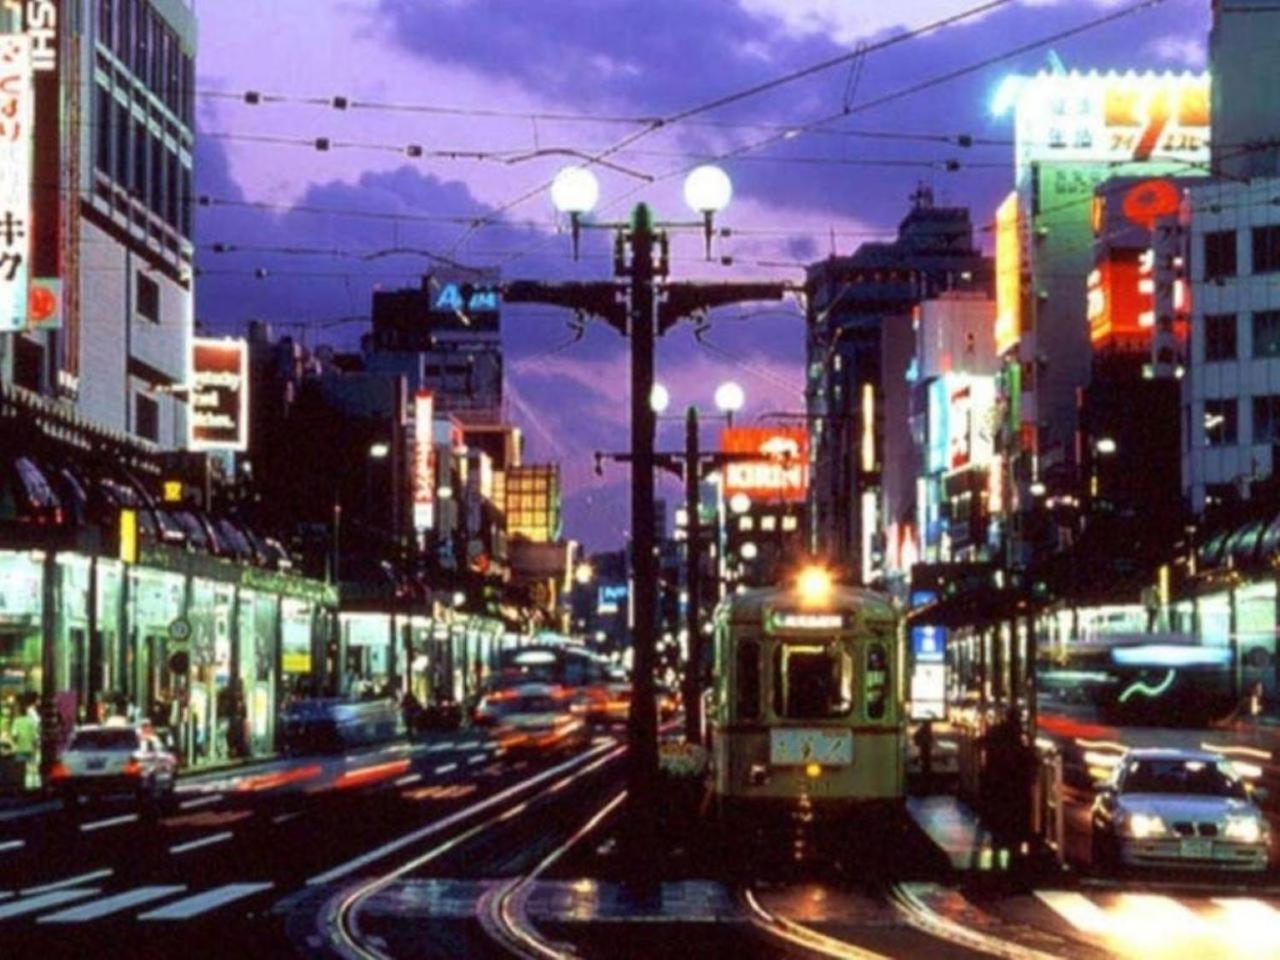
(17, 104)
(219, 391)
(424, 480)
(1112, 118)
(772, 462)
(464, 299)
(1008, 274)
(962, 420)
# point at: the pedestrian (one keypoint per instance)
(1006, 786)
(26, 745)
(924, 743)
(411, 710)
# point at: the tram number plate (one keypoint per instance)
(800, 747)
(1197, 849)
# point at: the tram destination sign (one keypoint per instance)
(808, 621)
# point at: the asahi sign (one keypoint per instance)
(219, 415)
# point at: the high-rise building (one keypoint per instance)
(860, 313)
(96, 296)
(445, 337)
(533, 502)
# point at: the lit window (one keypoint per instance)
(769, 523)
(790, 523)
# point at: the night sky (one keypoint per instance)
(506, 73)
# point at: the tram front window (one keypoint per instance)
(811, 682)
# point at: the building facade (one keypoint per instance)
(860, 310)
(109, 306)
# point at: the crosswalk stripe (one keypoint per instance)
(1077, 909)
(1253, 918)
(69, 882)
(109, 822)
(12, 845)
(108, 905)
(202, 842)
(201, 802)
(27, 905)
(200, 903)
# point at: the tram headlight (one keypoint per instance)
(814, 586)
(813, 771)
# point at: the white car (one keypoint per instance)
(1178, 808)
(539, 720)
(115, 760)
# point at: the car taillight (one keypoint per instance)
(59, 772)
(133, 768)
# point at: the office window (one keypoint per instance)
(790, 523)
(139, 185)
(103, 132)
(107, 23)
(185, 201)
(146, 417)
(141, 41)
(1266, 419)
(1266, 249)
(769, 523)
(746, 524)
(1220, 422)
(1266, 333)
(148, 306)
(1219, 337)
(124, 35)
(171, 206)
(1219, 254)
(157, 192)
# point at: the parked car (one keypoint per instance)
(1179, 808)
(115, 760)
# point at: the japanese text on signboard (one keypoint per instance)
(16, 105)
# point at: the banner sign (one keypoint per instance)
(219, 383)
(17, 104)
(42, 22)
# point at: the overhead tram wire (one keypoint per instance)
(747, 93)
(909, 91)
(343, 103)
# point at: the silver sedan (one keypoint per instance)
(1182, 809)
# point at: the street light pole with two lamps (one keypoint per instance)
(642, 305)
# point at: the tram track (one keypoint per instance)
(502, 913)
(339, 920)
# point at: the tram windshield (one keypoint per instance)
(812, 682)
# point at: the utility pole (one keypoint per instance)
(638, 305)
(693, 578)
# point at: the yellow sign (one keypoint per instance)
(129, 536)
(173, 491)
(296, 662)
(1008, 274)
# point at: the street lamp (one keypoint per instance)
(730, 398)
(377, 451)
(575, 191)
(1106, 446)
(707, 190)
(659, 399)
(584, 574)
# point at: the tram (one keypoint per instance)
(808, 702)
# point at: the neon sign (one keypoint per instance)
(424, 481)
(780, 473)
(450, 299)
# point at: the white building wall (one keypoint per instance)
(1227, 205)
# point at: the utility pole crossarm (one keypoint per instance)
(604, 299)
(680, 300)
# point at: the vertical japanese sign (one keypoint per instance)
(219, 415)
(17, 103)
(42, 23)
(424, 480)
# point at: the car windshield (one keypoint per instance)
(125, 740)
(1172, 776)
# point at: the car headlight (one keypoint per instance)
(1243, 829)
(1145, 825)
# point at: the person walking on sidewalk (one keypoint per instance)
(26, 744)
(924, 743)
